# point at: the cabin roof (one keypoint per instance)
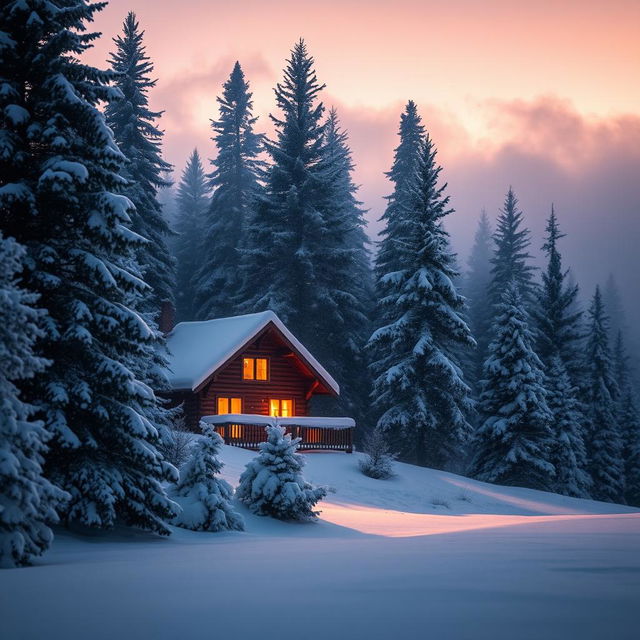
(198, 349)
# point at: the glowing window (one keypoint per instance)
(255, 369)
(229, 405)
(280, 408)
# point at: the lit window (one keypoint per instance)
(261, 368)
(255, 369)
(248, 365)
(281, 408)
(229, 405)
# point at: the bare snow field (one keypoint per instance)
(427, 554)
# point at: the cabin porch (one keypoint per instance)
(316, 433)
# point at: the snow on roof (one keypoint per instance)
(198, 349)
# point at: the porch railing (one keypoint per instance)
(321, 433)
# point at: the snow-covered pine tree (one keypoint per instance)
(514, 442)
(614, 309)
(28, 501)
(475, 289)
(61, 205)
(285, 250)
(556, 315)
(628, 420)
(345, 288)
(204, 498)
(135, 131)
(604, 442)
(192, 202)
(511, 257)
(568, 451)
(403, 175)
(419, 388)
(236, 185)
(272, 483)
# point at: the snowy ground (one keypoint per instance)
(425, 555)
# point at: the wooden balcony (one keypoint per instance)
(321, 433)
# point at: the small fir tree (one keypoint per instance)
(135, 131)
(204, 498)
(514, 442)
(28, 501)
(192, 202)
(272, 483)
(419, 389)
(61, 205)
(378, 462)
(630, 420)
(510, 262)
(605, 445)
(236, 186)
(568, 454)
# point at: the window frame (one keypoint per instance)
(229, 400)
(255, 369)
(280, 401)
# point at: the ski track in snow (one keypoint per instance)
(427, 554)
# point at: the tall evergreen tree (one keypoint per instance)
(419, 389)
(285, 239)
(192, 204)
(628, 420)
(403, 175)
(614, 309)
(135, 131)
(568, 451)
(513, 444)
(28, 501)
(476, 288)
(510, 262)
(59, 171)
(557, 320)
(235, 182)
(345, 279)
(605, 445)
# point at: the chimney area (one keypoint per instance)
(167, 319)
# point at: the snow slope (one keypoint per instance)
(425, 555)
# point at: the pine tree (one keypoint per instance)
(204, 498)
(605, 445)
(568, 453)
(513, 444)
(628, 420)
(192, 204)
(476, 287)
(135, 131)
(403, 174)
(235, 182)
(285, 248)
(272, 483)
(60, 169)
(510, 261)
(556, 317)
(28, 501)
(419, 389)
(614, 308)
(344, 281)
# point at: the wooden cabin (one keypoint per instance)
(244, 372)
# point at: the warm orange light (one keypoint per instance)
(229, 405)
(247, 369)
(261, 369)
(280, 408)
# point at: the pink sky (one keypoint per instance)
(543, 96)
